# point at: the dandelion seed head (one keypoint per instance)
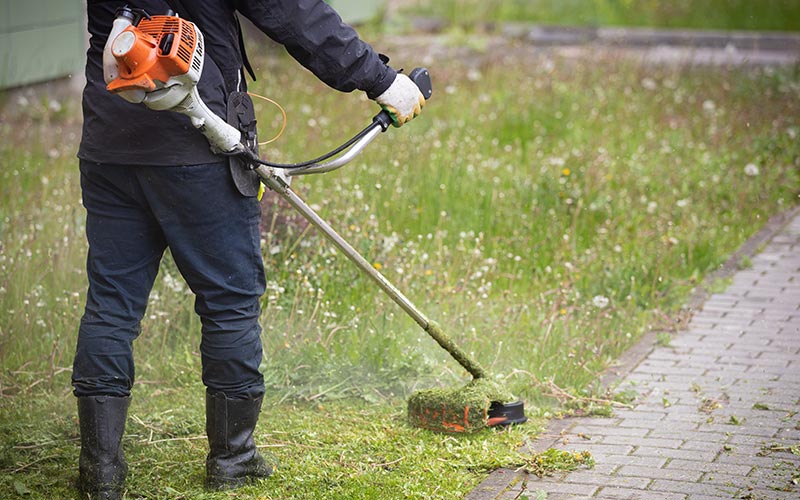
(649, 84)
(751, 170)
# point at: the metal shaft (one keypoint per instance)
(280, 187)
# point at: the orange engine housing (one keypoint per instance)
(154, 51)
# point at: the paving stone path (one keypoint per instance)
(717, 413)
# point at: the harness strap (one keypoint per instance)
(178, 6)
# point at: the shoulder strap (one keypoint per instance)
(177, 5)
(245, 60)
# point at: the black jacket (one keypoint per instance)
(115, 131)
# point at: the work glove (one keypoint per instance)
(403, 100)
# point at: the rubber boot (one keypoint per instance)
(102, 467)
(233, 459)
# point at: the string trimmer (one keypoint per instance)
(158, 61)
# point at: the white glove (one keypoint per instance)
(403, 100)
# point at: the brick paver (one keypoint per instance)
(717, 414)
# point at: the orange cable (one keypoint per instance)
(283, 112)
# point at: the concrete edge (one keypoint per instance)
(618, 36)
(649, 37)
(503, 480)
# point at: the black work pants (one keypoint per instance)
(133, 214)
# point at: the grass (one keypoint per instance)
(781, 15)
(545, 225)
(336, 451)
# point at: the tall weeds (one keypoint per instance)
(546, 225)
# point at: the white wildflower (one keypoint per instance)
(751, 170)
(600, 301)
(474, 75)
(173, 284)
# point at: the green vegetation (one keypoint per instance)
(337, 450)
(546, 224)
(783, 15)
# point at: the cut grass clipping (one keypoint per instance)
(464, 409)
(553, 460)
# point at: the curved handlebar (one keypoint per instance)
(350, 149)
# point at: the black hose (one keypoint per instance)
(292, 166)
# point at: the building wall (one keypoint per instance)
(40, 40)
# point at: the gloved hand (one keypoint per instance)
(402, 100)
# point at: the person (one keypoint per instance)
(149, 182)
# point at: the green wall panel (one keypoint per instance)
(27, 14)
(40, 40)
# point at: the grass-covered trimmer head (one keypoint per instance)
(481, 403)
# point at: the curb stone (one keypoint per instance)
(652, 46)
(509, 484)
(759, 41)
(777, 41)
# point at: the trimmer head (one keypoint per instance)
(480, 404)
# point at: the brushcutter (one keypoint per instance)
(158, 60)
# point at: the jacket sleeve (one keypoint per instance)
(315, 35)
